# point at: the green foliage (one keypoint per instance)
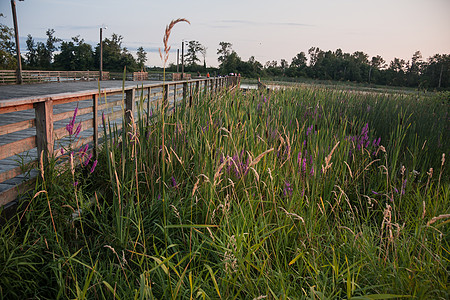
(303, 193)
(8, 60)
(75, 55)
(141, 57)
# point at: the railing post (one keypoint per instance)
(95, 123)
(129, 105)
(149, 91)
(174, 96)
(197, 89)
(165, 96)
(190, 95)
(185, 90)
(44, 128)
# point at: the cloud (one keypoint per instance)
(76, 27)
(256, 23)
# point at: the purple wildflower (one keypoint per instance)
(304, 165)
(174, 182)
(375, 193)
(308, 131)
(62, 150)
(75, 183)
(93, 166)
(88, 159)
(78, 130)
(404, 186)
(287, 191)
(83, 150)
(69, 128)
(312, 171)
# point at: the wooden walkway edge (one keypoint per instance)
(32, 125)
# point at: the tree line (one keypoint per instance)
(431, 73)
(73, 55)
(76, 54)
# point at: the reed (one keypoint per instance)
(303, 193)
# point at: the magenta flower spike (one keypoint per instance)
(93, 166)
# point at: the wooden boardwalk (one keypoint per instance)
(11, 92)
(23, 108)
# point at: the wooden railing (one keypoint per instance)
(9, 76)
(44, 130)
(140, 76)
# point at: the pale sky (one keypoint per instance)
(268, 30)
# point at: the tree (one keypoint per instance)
(141, 57)
(414, 69)
(31, 55)
(224, 51)
(203, 53)
(193, 48)
(75, 55)
(115, 58)
(7, 48)
(299, 61)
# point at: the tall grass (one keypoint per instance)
(304, 193)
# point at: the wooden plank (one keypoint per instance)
(69, 114)
(11, 194)
(110, 104)
(62, 100)
(14, 148)
(62, 132)
(5, 110)
(10, 174)
(10, 128)
(44, 128)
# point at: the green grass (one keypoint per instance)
(287, 195)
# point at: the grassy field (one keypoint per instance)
(304, 193)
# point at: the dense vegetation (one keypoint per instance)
(304, 193)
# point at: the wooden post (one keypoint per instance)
(197, 89)
(185, 90)
(165, 96)
(174, 96)
(44, 128)
(95, 122)
(149, 91)
(130, 104)
(190, 95)
(16, 34)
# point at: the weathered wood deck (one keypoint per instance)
(33, 117)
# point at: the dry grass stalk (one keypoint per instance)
(292, 215)
(259, 157)
(195, 186)
(328, 159)
(217, 174)
(440, 217)
(178, 158)
(41, 164)
(166, 39)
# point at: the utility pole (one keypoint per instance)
(182, 60)
(16, 32)
(178, 59)
(101, 55)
